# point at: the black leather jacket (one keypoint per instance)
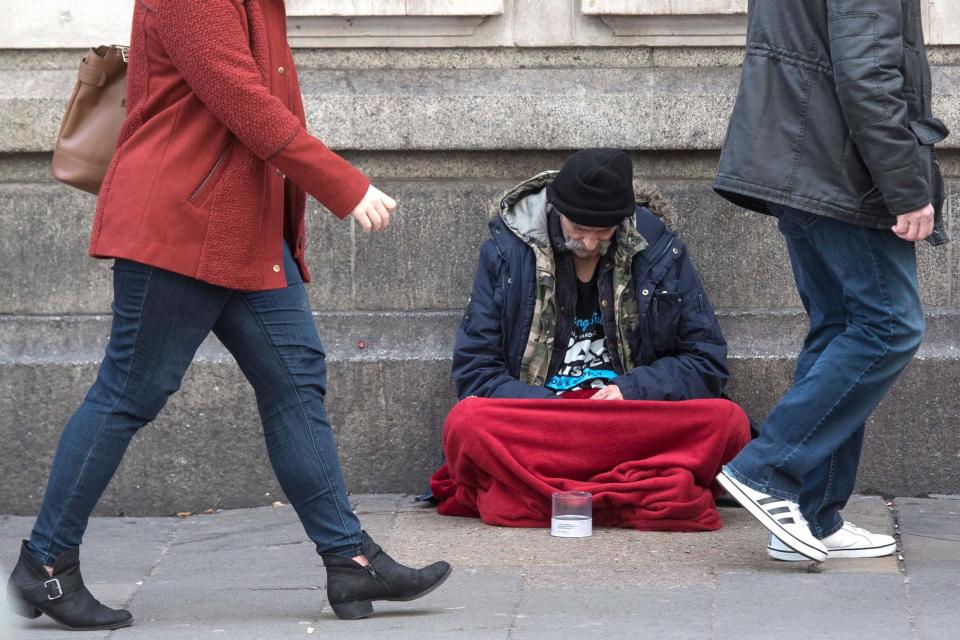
(833, 114)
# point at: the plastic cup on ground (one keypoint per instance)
(572, 514)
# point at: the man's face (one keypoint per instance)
(586, 242)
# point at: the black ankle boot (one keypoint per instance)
(351, 588)
(62, 596)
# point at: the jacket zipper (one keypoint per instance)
(203, 185)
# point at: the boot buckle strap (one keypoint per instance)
(50, 586)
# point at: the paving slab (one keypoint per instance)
(473, 603)
(930, 530)
(251, 574)
(614, 612)
(827, 606)
(118, 555)
(114, 551)
(170, 609)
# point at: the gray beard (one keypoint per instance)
(580, 250)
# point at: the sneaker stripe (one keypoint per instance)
(787, 520)
(778, 511)
(813, 551)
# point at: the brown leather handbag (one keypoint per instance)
(89, 130)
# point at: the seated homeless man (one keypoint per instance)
(584, 295)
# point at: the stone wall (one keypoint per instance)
(445, 103)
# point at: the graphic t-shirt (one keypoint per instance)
(586, 364)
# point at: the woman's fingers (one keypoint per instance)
(376, 223)
(383, 213)
(373, 212)
(388, 202)
(361, 217)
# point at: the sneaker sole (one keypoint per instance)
(871, 552)
(801, 547)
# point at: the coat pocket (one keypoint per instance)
(205, 187)
(929, 131)
(665, 308)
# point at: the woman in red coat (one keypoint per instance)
(202, 210)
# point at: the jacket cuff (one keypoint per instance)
(627, 386)
(905, 191)
(334, 182)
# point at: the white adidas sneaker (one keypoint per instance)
(849, 542)
(781, 517)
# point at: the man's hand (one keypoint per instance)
(609, 392)
(916, 225)
(373, 212)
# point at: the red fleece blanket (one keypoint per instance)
(649, 465)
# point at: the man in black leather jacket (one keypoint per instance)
(833, 134)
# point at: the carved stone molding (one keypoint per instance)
(664, 7)
(312, 31)
(673, 22)
(367, 8)
(943, 22)
(350, 22)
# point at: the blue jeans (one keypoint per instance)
(859, 288)
(159, 320)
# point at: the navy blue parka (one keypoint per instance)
(678, 348)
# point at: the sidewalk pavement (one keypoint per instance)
(249, 574)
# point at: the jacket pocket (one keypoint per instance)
(205, 187)
(929, 130)
(665, 307)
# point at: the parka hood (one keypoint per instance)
(523, 210)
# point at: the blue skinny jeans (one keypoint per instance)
(159, 321)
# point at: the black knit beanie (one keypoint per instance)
(594, 188)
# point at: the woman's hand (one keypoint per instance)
(373, 212)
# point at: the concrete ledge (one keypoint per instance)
(412, 266)
(534, 109)
(387, 403)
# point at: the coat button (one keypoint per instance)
(281, 70)
(276, 268)
(676, 251)
(603, 303)
(279, 173)
(645, 292)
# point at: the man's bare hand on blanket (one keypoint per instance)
(609, 392)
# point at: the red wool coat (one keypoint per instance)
(213, 159)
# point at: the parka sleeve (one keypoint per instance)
(479, 365)
(697, 366)
(866, 51)
(207, 44)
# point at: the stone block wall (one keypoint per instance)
(445, 104)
